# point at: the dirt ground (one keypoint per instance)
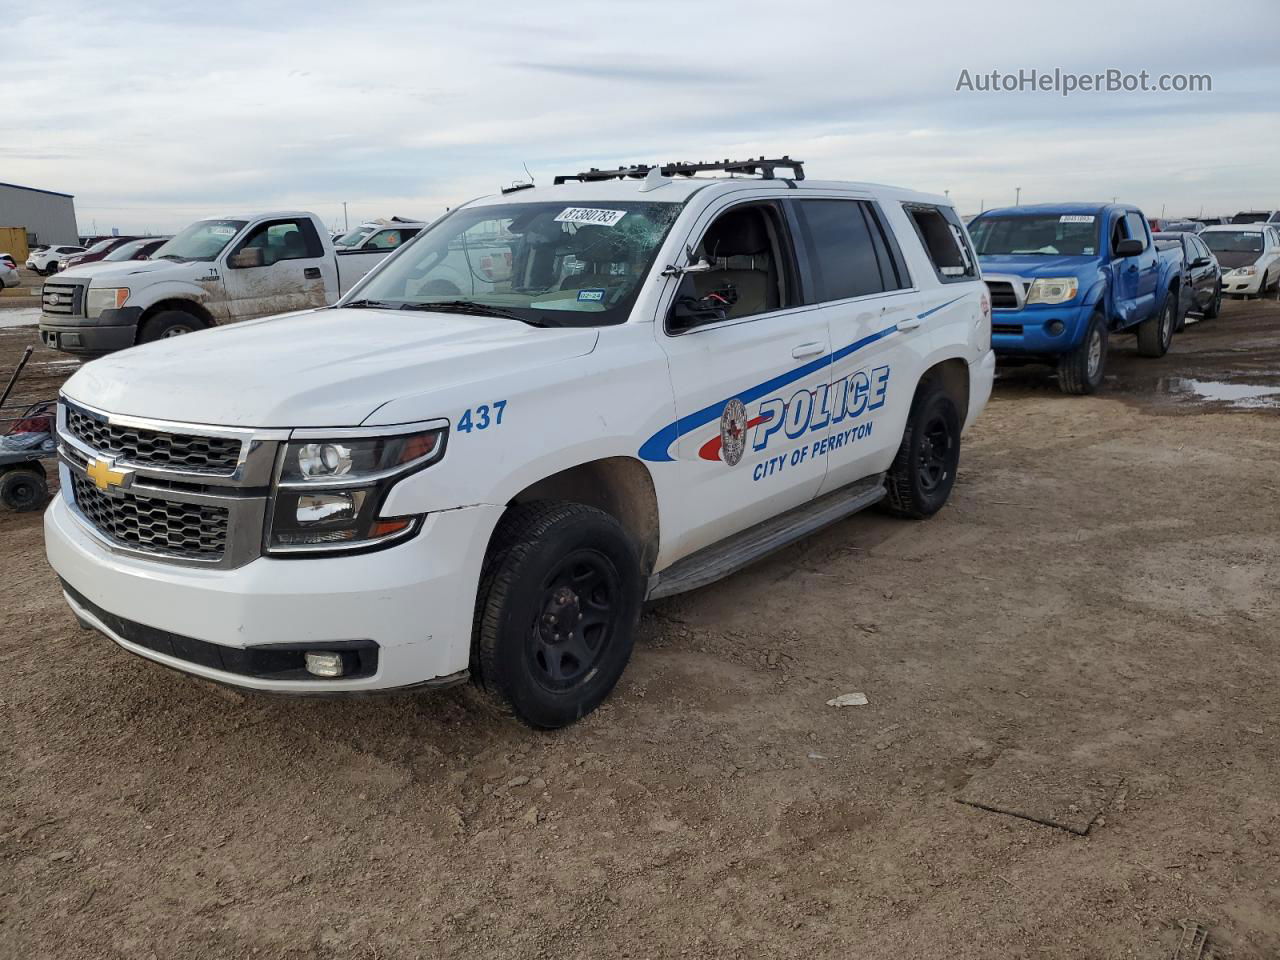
(1090, 627)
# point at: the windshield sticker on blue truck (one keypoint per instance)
(590, 296)
(1075, 218)
(590, 215)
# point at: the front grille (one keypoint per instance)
(1013, 328)
(177, 451)
(1002, 295)
(158, 526)
(62, 299)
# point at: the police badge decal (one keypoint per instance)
(733, 432)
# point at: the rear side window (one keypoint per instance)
(944, 241)
(845, 259)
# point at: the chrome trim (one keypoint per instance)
(348, 546)
(1019, 285)
(346, 433)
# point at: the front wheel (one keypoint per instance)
(1155, 333)
(168, 323)
(556, 611)
(1080, 371)
(924, 471)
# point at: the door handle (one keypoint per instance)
(909, 323)
(808, 350)
(311, 273)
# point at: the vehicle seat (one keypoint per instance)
(292, 246)
(739, 249)
(599, 248)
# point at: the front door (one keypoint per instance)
(279, 266)
(748, 364)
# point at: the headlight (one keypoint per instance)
(105, 298)
(330, 490)
(1245, 271)
(1053, 290)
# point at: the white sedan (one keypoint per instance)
(1249, 254)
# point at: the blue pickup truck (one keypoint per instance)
(1064, 277)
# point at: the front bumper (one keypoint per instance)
(414, 601)
(110, 331)
(1042, 330)
(1249, 286)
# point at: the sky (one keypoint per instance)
(156, 114)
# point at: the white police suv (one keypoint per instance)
(548, 407)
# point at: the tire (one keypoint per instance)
(168, 323)
(924, 471)
(1215, 305)
(1080, 372)
(552, 563)
(1156, 332)
(24, 488)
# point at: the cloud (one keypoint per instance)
(153, 115)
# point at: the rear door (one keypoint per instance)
(278, 266)
(857, 277)
(1133, 292)
(750, 387)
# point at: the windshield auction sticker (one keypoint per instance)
(1075, 218)
(603, 218)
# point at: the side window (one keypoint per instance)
(751, 269)
(386, 240)
(1135, 229)
(944, 241)
(277, 240)
(1117, 233)
(841, 253)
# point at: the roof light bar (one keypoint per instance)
(762, 167)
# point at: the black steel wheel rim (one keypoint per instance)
(573, 623)
(934, 460)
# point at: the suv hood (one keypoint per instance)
(1025, 265)
(318, 368)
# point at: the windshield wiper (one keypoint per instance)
(369, 304)
(470, 306)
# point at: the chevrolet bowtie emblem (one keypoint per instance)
(105, 477)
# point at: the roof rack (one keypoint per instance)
(762, 166)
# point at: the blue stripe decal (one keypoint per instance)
(657, 449)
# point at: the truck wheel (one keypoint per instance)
(24, 488)
(556, 611)
(1156, 332)
(1080, 371)
(168, 323)
(1215, 305)
(924, 471)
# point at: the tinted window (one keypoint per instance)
(842, 254)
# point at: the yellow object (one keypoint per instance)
(103, 477)
(13, 241)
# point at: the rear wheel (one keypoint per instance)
(924, 471)
(1156, 332)
(1215, 305)
(168, 323)
(1080, 371)
(24, 488)
(556, 611)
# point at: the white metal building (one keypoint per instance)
(47, 216)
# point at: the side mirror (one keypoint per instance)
(1130, 248)
(248, 257)
(1201, 262)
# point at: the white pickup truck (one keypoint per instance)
(213, 272)
(638, 382)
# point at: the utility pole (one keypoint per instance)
(346, 226)
(1017, 196)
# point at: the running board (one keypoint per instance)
(733, 553)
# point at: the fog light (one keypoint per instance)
(321, 663)
(1055, 328)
